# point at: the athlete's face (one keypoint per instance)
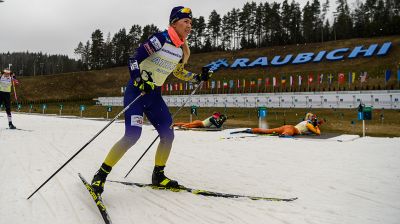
(183, 27)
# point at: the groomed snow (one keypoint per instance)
(355, 181)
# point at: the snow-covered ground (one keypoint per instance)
(356, 181)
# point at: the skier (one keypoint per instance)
(214, 121)
(150, 65)
(306, 127)
(6, 82)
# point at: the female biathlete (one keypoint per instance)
(6, 82)
(306, 127)
(153, 61)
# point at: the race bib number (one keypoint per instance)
(136, 120)
(156, 43)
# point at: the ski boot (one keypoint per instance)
(11, 125)
(99, 179)
(159, 179)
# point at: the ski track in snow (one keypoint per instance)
(355, 180)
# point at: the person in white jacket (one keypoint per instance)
(6, 82)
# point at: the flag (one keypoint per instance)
(203, 85)
(352, 77)
(388, 73)
(231, 84)
(218, 84)
(330, 79)
(274, 81)
(180, 86)
(341, 78)
(291, 80)
(244, 83)
(320, 78)
(252, 83)
(259, 80)
(283, 80)
(300, 79)
(170, 87)
(208, 84)
(225, 85)
(238, 83)
(190, 86)
(310, 78)
(176, 87)
(212, 84)
(363, 77)
(267, 82)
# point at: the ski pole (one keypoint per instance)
(98, 133)
(184, 103)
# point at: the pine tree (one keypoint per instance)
(276, 24)
(133, 38)
(295, 35)
(343, 24)
(108, 52)
(148, 30)
(97, 50)
(286, 21)
(214, 27)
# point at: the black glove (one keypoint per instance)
(205, 75)
(146, 86)
(145, 83)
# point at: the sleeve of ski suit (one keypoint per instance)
(313, 129)
(181, 73)
(144, 50)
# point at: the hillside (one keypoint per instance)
(86, 85)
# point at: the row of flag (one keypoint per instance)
(291, 80)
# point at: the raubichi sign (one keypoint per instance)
(302, 58)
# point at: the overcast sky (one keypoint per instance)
(57, 26)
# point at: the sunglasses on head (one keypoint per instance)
(185, 10)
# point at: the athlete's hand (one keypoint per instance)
(146, 86)
(205, 75)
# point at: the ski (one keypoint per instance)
(97, 199)
(241, 136)
(18, 129)
(198, 129)
(204, 192)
